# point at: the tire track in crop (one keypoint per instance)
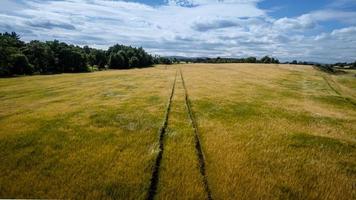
(198, 147)
(162, 131)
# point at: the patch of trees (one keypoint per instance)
(336, 65)
(265, 59)
(164, 60)
(295, 62)
(126, 57)
(345, 65)
(36, 57)
(335, 68)
(326, 68)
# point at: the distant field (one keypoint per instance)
(264, 131)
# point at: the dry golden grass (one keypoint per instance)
(273, 132)
(81, 135)
(267, 132)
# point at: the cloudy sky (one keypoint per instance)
(312, 30)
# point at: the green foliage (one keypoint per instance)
(325, 68)
(40, 55)
(72, 60)
(117, 61)
(20, 65)
(251, 60)
(125, 57)
(134, 62)
(58, 57)
(163, 60)
(10, 44)
(265, 59)
(95, 57)
(99, 58)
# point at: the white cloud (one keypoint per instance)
(310, 20)
(187, 28)
(325, 15)
(205, 2)
(299, 23)
(349, 31)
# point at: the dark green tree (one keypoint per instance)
(127, 53)
(354, 65)
(100, 58)
(117, 61)
(251, 60)
(72, 60)
(266, 59)
(134, 62)
(20, 65)
(10, 44)
(40, 56)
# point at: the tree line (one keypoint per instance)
(337, 65)
(329, 68)
(36, 57)
(265, 59)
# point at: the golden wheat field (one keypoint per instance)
(185, 131)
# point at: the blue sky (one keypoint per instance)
(311, 30)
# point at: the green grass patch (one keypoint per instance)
(303, 140)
